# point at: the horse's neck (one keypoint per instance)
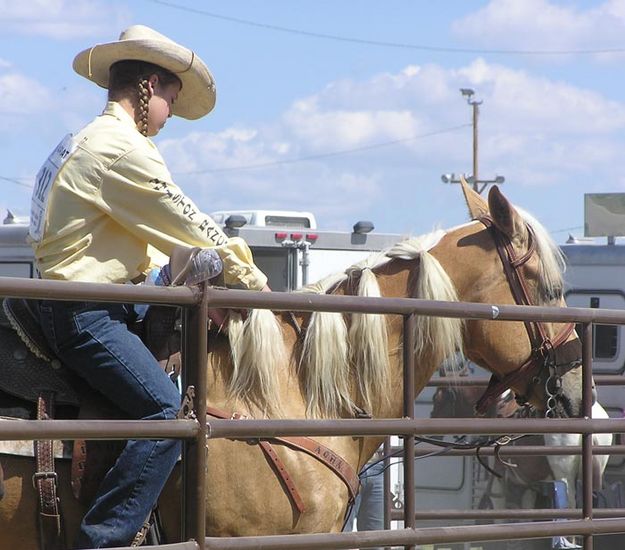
(396, 282)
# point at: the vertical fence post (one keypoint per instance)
(195, 341)
(388, 503)
(587, 383)
(409, 441)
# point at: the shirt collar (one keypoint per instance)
(115, 109)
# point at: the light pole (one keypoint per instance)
(475, 105)
(473, 179)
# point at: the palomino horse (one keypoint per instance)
(332, 365)
(526, 472)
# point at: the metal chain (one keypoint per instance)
(555, 381)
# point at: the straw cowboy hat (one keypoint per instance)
(197, 96)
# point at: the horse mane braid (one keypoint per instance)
(368, 339)
(337, 346)
(257, 348)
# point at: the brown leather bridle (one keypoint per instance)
(546, 352)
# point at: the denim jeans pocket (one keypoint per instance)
(46, 321)
(59, 321)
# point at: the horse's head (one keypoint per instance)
(459, 402)
(453, 402)
(505, 257)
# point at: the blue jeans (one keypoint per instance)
(93, 341)
(368, 508)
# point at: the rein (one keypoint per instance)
(544, 349)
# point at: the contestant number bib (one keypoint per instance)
(43, 184)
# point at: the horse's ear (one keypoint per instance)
(505, 216)
(478, 207)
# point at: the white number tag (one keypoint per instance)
(43, 184)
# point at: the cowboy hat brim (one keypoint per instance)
(197, 95)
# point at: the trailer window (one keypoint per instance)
(604, 340)
(287, 221)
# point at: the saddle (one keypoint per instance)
(27, 363)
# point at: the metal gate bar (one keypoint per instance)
(425, 449)
(27, 430)
(409, 440)
(254, 428)
(587, 384)
(426, 535)
(250, 428)
(519, 513)
(195, 356)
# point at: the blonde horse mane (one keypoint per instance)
(552, 264)
(366, 352)
(440, 337)
(257, 348)
(335, 346)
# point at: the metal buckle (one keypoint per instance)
(186, 411)
(40, 476)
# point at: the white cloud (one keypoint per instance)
(61, 19)
(544, 25)
(536, 131)
(20, 95)
(532, 103)
(348, 128)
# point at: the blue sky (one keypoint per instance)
(349, 109)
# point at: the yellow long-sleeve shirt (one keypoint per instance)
(104, 195)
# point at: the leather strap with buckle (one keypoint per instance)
(51, 534)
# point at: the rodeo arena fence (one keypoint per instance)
(194, 429)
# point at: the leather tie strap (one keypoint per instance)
(323, 454)
(281, 470)
(45, 481)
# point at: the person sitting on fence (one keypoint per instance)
(100, 199)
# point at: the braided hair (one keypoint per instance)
(131, 77)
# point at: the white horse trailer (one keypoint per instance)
(287, 245)
(595, 278)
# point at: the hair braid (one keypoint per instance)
(129, 79)
(144, 99)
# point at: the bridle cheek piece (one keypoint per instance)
(558, 355)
